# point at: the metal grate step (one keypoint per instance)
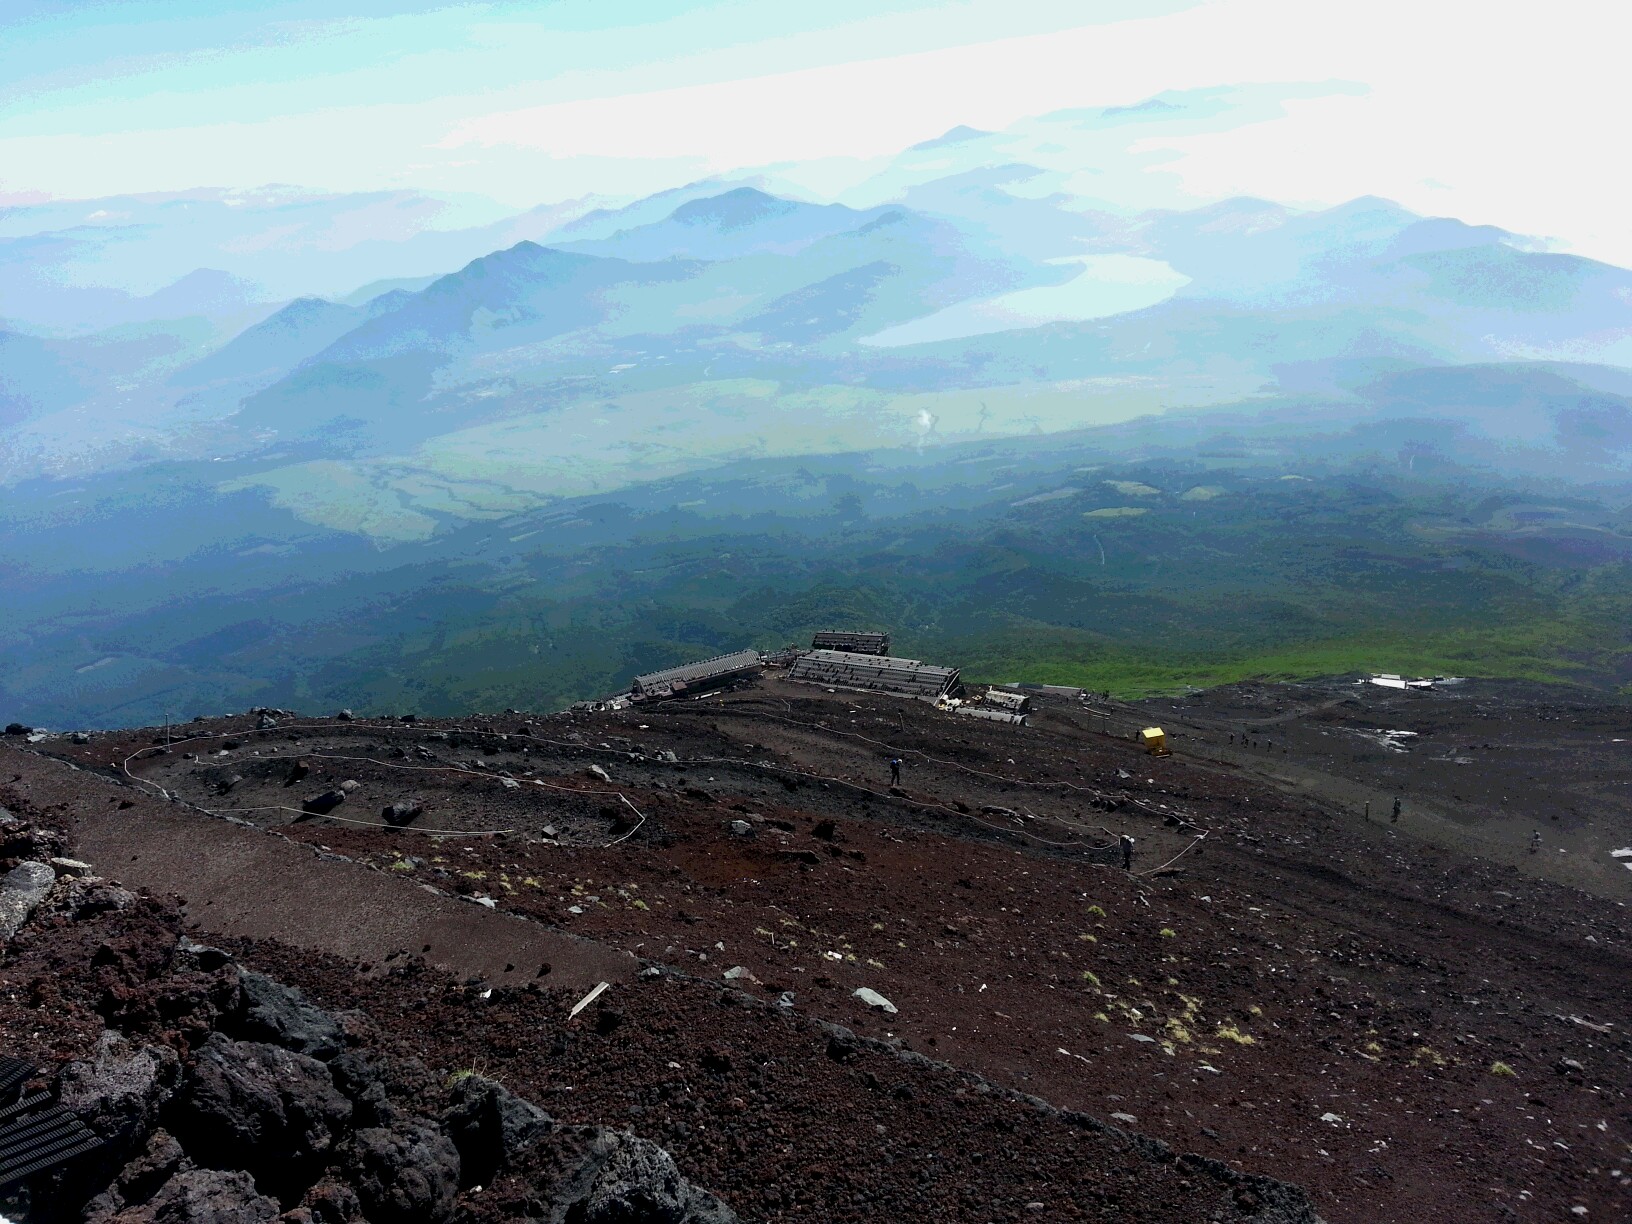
(35, 1132)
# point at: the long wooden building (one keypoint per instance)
(874, 673)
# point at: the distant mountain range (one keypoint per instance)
(284, 431)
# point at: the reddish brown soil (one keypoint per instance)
(1300, 962)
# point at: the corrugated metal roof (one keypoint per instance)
(703, 670)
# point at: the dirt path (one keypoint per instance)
(241, 881)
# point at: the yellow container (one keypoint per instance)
(1155, 741)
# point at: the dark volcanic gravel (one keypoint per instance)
(1301, 994)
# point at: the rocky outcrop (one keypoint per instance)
(229, 1097)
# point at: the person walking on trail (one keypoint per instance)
(895, 771)
(1395, 819)
(1535, 841)
(1127, 852)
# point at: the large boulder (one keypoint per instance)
(328, 1202)
(199, 1196)
(403, 1174)
(620, 1178)
(21, 890)
(281, 1016)
(491, 1126)
(251, 1105)
(119, 1092)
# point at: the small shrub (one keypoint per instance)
(1501, 1068)
(1230, 1033)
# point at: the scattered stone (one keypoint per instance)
(785, 1000)
(322, 805)
(343, 716)
(87, 896)
(873, 999)
(737, 972)
(70, 867)
(403, 812)
(741, 828)
(17, 728)
(79, 737)
(1125, 1117)
(600, 773)
(350, 785)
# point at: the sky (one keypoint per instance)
(1498, 112)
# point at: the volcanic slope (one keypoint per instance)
(1405, 1029)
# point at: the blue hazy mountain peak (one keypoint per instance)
(729, 225)
(735, 209)
(958, 135)
(275, 345)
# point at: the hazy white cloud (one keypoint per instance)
(1497, 112)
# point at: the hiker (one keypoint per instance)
(1127, 853)
(1535, 841)
(895, 771)
(1395, 819)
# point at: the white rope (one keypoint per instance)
(327, 756)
